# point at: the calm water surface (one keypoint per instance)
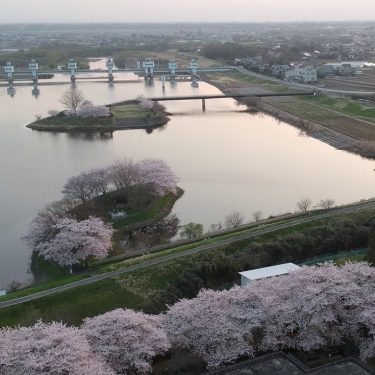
(226, 160)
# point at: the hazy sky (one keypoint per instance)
(185, 11)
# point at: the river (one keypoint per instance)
(226, 160)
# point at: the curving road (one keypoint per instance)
(251, 233)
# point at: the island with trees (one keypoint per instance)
(81, 115)
(105, 211)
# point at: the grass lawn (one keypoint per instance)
(127, 111)
(344, 105)
(132, 113)
(236, 76)
(71, 306)
(323, 114)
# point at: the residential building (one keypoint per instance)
(304, 74)
(346, 70)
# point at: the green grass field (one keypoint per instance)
(129, 111)
(344, 105)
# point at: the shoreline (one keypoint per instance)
(323, 133)
(146, 120)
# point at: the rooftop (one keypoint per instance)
(262, 273)
(286, 364)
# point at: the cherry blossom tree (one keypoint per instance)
(124, 174)
(312, 308)
(43, 226)
(89, 110)
(127, 340)
(48, 349)
(158, 175)
(145, 103)
(218, 326)
(87, 185)
(74, 241)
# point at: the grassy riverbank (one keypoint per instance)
(152, 287)
(125, 116)
(340, 122)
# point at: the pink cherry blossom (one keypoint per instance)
(128, 340)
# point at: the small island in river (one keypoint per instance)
(132, 114)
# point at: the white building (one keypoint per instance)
(305, 74)
(264, 273)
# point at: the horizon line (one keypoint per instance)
(177, 22)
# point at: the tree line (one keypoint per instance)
(218, 269)
(313, 308)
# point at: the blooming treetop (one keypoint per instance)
(127, 340)
(145, 103)
(48, 349)
(75, 241)
(158, 175)
(87, 185)
(311, 308)
(43, 226)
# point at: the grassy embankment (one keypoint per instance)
(336, 116)
(58, 276)
(124, 116)
(133, 290)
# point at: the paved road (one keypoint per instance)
(251, 233)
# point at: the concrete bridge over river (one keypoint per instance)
(203, 98)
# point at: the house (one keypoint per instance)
(304, 74)
(346, 70)
(279, 70)
(328, 71)
(263, 273)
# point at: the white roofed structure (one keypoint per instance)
(266, 272)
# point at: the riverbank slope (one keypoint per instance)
(330, 120)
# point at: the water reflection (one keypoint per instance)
(92, 136)
(226, 160)
(147, 237)
(11, 91)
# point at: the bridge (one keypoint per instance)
(203, 98)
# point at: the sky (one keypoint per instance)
(184, 11)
